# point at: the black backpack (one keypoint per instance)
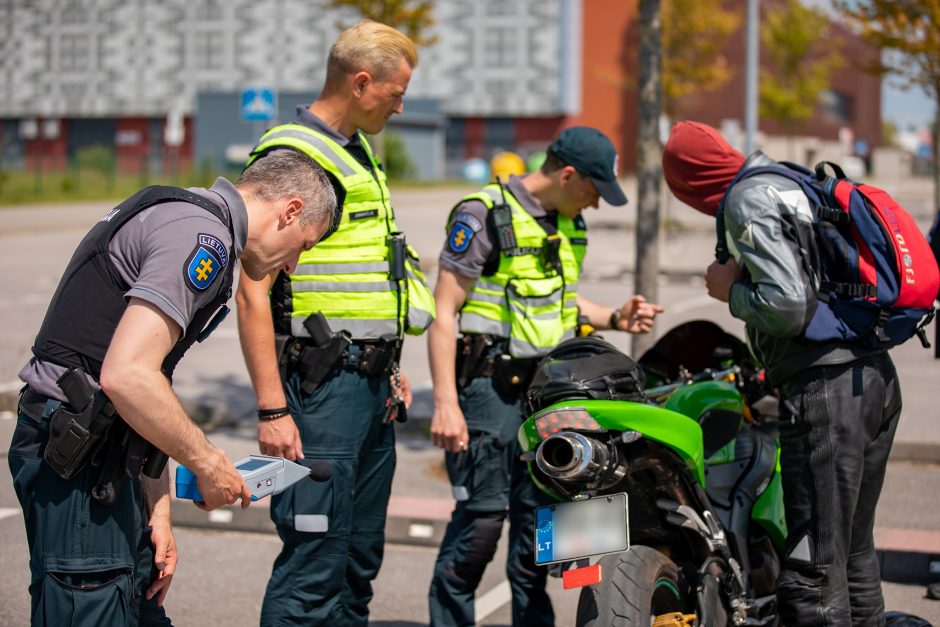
(584, 368)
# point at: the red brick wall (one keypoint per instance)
(132, 157)
(48, 154)
(608, 74)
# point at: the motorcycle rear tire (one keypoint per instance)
(638, 584)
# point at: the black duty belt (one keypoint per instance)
(481, 355)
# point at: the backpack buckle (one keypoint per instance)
(921, 334)
(833, 215)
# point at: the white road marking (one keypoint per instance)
(10, 386)
(492, 600)
(6, 512)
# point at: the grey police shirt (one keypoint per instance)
(152, 251)
(469, 243)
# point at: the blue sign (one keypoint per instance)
(259, 104)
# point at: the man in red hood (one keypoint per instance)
(840, 401)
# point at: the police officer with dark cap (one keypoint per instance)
(98, 418)
(509, 272)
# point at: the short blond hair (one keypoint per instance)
(370, 46)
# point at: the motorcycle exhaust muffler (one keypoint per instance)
(570, 456)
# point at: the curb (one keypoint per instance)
(411, 520)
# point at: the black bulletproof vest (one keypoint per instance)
(89, 301)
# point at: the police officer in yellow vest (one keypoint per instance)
(333, 329)
(509, 271)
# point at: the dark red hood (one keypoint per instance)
(699, 164)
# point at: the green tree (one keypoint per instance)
(412, 17)
(909, 31)
(398, 163)
(800, 55)
(694, 34)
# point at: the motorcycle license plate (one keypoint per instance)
(570, 531)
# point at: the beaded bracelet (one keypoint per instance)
(272, 414)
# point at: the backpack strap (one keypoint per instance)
(852, 290)
(823, 201)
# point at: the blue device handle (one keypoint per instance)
(186, 487)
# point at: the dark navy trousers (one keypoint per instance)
(333, 532)
(490, 483)
(90, 564)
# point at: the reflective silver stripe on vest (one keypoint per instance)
(314, 141)
(524, 350)
(341, 268)
(483, 297)
(344, 286)
(359, 329)
(538, 301)
(548, 315)
(495, 194)
(475, 323)
(483, 284)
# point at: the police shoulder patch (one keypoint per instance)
(207, 261)
(470, 220)
(460, 237)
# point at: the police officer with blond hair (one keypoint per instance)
(322, 343)
(509, 273)
(97, 416)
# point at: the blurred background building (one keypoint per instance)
(170, 84)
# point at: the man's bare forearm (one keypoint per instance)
(146, 402)
(157, 495)
(442, 353)
(256, 333)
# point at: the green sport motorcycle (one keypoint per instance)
(668, 478)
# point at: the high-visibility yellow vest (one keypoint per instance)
(526, 300)
(349, 276)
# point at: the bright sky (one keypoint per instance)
(906, 108)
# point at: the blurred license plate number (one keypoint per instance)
(569, 531)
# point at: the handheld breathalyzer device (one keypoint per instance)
(264, 476)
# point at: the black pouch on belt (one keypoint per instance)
(473, 359)
(376, 358)
(125, 455)
(78, 428)
(512, 377)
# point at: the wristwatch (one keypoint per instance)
(614, 318)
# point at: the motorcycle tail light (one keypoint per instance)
(567, 419)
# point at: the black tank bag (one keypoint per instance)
(584, 368)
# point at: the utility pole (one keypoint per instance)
(750, 77)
